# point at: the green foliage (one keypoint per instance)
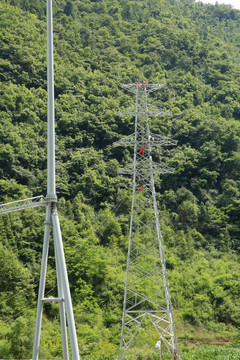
(21, 338)
(206, 290)
(97, 46)
(211, 354)
(14, 281)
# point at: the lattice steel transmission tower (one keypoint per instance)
(147, 301)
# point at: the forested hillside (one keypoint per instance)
(99, 45)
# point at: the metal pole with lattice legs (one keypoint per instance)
(147, 301)
(52, 221)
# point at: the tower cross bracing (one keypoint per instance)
(147, 301)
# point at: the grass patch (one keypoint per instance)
(210, 353)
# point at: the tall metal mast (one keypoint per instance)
(52, 220)
(147, 299)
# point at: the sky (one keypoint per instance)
(234, 3)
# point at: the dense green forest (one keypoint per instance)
(99, 45)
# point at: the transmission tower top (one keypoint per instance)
(138, 85)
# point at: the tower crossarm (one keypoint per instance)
(154, 140)
(125, 141)
(136, 86)
(160, 140)
(162, 169)
(152, 111)
(22, 204)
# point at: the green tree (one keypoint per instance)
(21, 337)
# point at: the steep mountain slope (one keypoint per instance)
(192, 47)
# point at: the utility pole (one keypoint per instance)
(147, 299)
(52, 221)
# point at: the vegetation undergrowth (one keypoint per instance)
(206, 353)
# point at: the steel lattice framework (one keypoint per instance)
(147, 299)
(22, 204)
